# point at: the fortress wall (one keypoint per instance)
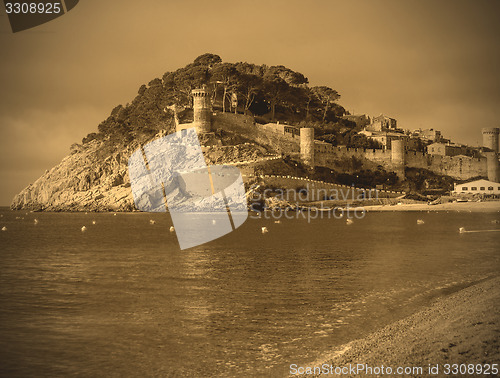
(329, 156)
(416, 159)
(276, 137)
(245, 126)
(459, 167)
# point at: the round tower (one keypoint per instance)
(398, 157)
(307, 146)
(202, 109)
(490, 138)
(492, 166)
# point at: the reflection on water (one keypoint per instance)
(122, 299)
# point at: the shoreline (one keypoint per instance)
(460, 328)
(486, 206)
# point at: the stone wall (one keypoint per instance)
(282, 139)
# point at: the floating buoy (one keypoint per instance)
(86, 213)
(35, 221)
(277, 221)
(18, 217)
(151, 221)
(172, 229)
(349, 221)
(420, 221)
(84, 229)
(264, 230)
(4, 228)
(114, 214)
(93, 222)
(214, 221)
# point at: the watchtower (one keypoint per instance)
(398, 157)
(490, 138)
(202, 108)
(307, 146)
(492, 166)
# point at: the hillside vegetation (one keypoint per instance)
(270, 93)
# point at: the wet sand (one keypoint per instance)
(462, 328)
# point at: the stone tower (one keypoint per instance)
(398, 157)
(493, 166)
(490, 138)
(307, 146)
(202, 108)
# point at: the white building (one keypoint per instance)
(477, 187)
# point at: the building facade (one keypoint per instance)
(477, 187)
(443, 149)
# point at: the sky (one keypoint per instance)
(427, 63)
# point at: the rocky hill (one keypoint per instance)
(94, 176)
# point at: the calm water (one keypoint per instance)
(123, 300)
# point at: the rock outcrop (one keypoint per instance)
(94, 177)
(82, 181)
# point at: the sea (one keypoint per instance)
(122, 300)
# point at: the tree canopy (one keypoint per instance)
(269, 92)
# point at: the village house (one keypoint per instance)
(477, 187)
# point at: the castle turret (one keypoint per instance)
(398, 157)
(307, 146)
(493, 166)
(490, 138)
(202, 108)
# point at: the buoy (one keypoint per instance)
(214, 221)
(114, 214)
(84, 229)
(151, 221)
(277, 221)
(461, 230)
(420, 221)
(172, 229)
(93, 222)
(349, 221)
(4, 228)
(35, 221)
(264, 230)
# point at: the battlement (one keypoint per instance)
(200, 92)
(491, 130)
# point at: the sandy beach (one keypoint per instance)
(486, 206)
(462, 328)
